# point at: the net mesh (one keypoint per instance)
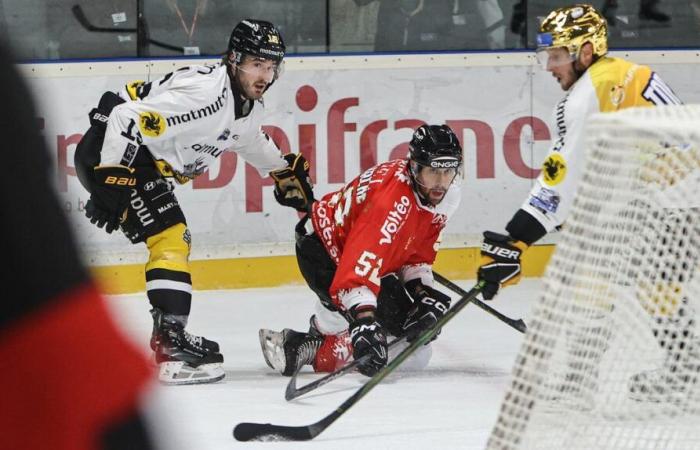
(611, 358)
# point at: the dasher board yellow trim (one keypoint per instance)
(238, 273)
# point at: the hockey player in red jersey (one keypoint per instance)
(173, 128)
(367, 251)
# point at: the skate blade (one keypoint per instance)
(272, 345)
(177, 373)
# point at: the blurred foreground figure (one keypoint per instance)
(70, 380)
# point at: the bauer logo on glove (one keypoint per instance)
(109, 199)
(500, 262)
(293, 185)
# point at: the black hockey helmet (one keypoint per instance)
(257, 38)
(435, 146)
(435, 161)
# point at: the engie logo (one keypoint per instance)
(439, 163)
(151, 124)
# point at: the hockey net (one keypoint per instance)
(611, 358)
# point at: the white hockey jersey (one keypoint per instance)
(610, 84)
(187, 119)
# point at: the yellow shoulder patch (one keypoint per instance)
(554, 169)
(133, 89)
(151, 124)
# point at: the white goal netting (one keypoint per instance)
(611, 358)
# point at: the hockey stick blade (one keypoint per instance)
(517, 324)
(293, 392)
(247, 431)
(82, 19)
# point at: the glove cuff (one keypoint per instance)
(366, 313)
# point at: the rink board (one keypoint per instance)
(345, 113)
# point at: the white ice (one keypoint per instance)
(453, 404)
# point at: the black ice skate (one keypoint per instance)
(287, 350)
(181, 357)
(157, 314)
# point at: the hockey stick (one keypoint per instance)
(85, 23)
(517, 324)
(247, 431)
(82, 19)
(292, 392)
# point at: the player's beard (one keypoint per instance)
(251, 90)
(435, 196)
(432, 195)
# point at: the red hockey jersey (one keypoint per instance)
(376, 225)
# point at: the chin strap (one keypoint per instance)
(416, 186)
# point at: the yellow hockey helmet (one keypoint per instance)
(571, 27)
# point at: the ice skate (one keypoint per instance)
(182, 359)
(287, 350)
(157, 314)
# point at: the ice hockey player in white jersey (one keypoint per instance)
(572, 46)
(173, 128)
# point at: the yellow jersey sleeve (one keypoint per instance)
(621, 84)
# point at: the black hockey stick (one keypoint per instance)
(517, 324)
(85, 23)
(292, 392)
(247, 431)
(82, 19)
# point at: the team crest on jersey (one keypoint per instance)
(151, 124)
(554, 169)
(187, 237)
(224, 135)
(617, 95)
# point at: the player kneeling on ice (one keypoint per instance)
(367, 251)
(174, 128)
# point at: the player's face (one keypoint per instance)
(434, 183)
(559, 62)
(254, 75)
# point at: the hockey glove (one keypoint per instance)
(500, 262)
(368, 338)
(293, 185)
(110, 196)
(429, 305)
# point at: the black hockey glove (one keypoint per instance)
(293, 185)
(429, 305)
(368, 338)
(110, 196)
(500, 262)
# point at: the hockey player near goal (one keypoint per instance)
(367, 251)
(572, 46)
(173, 128)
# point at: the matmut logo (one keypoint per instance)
(395, 220)
(196, 114)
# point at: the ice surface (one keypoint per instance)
(452, 404)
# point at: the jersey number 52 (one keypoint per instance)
(368, 263)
